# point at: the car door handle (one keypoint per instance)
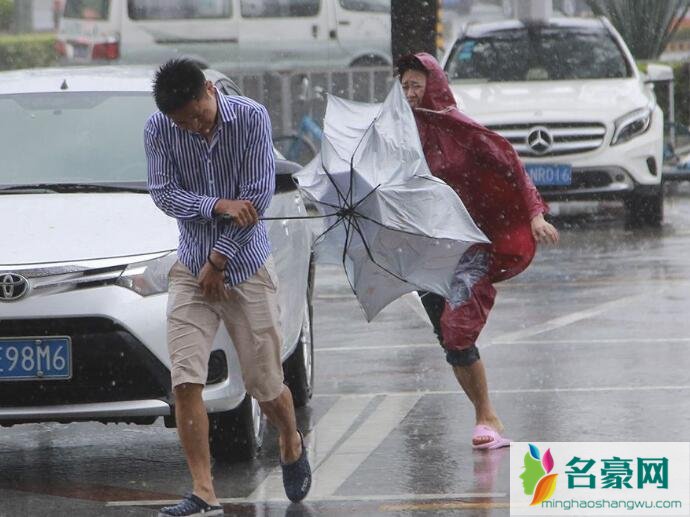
(344, 22)
(315, 31)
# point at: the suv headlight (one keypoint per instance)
(149, 277)
(631, 125)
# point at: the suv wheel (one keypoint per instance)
(237, 435)
(645, 209)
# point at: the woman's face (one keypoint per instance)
(414, 84)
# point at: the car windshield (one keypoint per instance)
(87, 9)
(69, 137)
(538, 54)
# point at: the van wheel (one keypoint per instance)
(299, 367)
(238, 434)
(370, 60)
(645, 209)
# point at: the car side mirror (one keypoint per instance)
(284, 171)
(658, 73)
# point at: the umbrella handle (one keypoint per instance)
(227, 218)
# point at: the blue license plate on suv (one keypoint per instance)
(546, 174)
(40, 358)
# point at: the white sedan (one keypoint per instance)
(84, 262)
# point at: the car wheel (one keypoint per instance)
(646, 209)
(299, 367)
(237, 435)
(370, 60)
(295, 148)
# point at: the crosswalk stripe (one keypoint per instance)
(328, 431)
(344, 461)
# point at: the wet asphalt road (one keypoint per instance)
(590, 344)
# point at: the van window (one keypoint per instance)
(279, 8)
(178, 9)
(370, 6)
(87, 9)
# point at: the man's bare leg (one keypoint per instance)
(281, 413)
(192, 428)
(472, 379)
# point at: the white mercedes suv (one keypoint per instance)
(567, 94)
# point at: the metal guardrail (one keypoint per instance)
(280, 92)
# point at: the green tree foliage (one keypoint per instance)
(26, 51)
(6, 14)
(646, 25)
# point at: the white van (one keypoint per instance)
(228, 34)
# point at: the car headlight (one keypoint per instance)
(149, 277)
(631, 125)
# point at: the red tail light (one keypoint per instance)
(110, 50)
(60, 48)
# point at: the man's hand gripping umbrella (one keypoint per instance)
(394, 227)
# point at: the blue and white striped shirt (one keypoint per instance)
(187, 176)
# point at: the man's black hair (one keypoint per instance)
(176, 83)
(410, 62)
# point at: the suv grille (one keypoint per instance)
(552, 139)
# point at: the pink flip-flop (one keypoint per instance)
(497, 441)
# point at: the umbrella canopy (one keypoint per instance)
(394, 226)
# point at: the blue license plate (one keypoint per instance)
(40, 358)
(543, 174)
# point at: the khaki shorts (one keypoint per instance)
(252, 317)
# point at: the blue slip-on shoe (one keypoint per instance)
(191, 506)
(297, 476)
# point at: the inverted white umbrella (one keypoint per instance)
(394, 226)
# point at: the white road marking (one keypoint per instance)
(376, 347)
(334, 498)
(593, 389)
(328, 431)
(568, 319)
(603, 341)
(345, 460)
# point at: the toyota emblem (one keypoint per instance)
(539, 139)
(12, 287)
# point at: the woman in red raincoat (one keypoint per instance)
(485, 171)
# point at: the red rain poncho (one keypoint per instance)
(487, 174)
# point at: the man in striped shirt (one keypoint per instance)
(209, 155)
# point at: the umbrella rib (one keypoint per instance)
(371, 257)
(348, 236)
(340, 218)
(352, 158)
(341, 197)
(396, 229)
(330, 178)
(364, 199)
